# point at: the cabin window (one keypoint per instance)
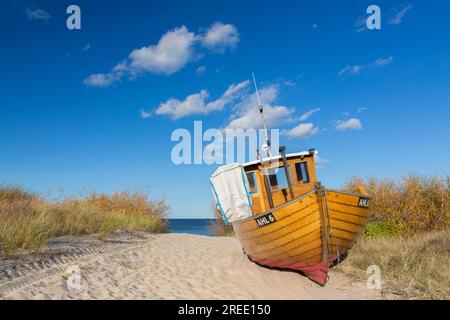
(251, 177)
(277, 178)
(301, 169)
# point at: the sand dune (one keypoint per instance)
(168, 266)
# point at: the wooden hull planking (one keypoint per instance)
(347, 220)
(308, 233)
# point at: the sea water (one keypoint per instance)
(192, 226)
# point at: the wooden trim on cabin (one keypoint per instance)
(281, 195)
(255, 166)
(255, 181)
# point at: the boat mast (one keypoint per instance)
(266, 146)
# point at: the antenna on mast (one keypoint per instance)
(266, 146)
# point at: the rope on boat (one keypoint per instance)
(326, 218)
(329, 231)
(329, 236)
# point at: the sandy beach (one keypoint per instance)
(163, 266)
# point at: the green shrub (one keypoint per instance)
(378, 229)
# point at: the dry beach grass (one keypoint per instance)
(408, 236)
(412, 267)
(27, 221)
(412, 204)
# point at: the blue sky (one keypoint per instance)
(94, 109)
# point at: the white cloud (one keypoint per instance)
(170, 54)
(38, 14)
(246, 113)
(361, 23)
(381, 62)
(106, 79)
(197, 103)
(356, 69)
(303, 130)
(361, 110)
(200, 70)
(399, 15)
(308, 114)
(350, 124)
(274, 115)
(173, 51)
(100, 80)
(320, 161)
(220, 37)
(145, 114)
(87, 47)
(244, 107)
(176, 109)
(351, 70)
(289, 83)
(234, 88)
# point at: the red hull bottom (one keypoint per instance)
(317, 272)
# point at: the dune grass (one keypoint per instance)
(218, 226)
(408, 236)
(412, 267)
(27, 221)
(411, 204)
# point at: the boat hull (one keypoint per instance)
(307, 234)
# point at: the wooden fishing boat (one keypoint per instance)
(304, 227)
(283, 217)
